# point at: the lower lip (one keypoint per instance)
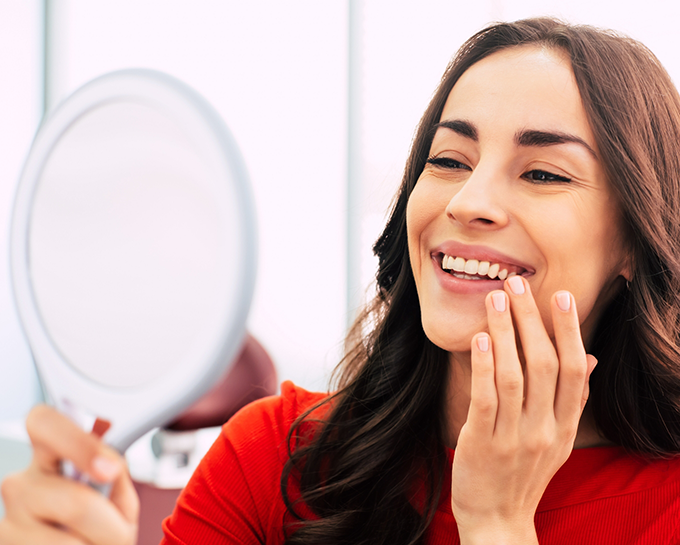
(460, 285)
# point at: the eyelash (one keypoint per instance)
(534, 176)
(548, 177)
(447, 162)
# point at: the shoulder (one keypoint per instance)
(256, 436)
(234, 495)
(268, 420)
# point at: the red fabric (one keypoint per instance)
(600, 496)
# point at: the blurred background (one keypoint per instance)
(322, 97)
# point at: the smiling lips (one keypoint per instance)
(473, 269)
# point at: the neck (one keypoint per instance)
(458, 398)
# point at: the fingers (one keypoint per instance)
(42, 506)
(55, 437)
(591, 363)
(554, 380)
(14, 534)
(36, 499)
(541, 362)
(575, 367)
(483, 397)
(70, 504)
(509, 377)
(124, 497)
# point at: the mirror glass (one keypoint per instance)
(127, 249)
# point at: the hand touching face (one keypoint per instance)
(523, 416)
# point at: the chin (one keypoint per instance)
(452, 337)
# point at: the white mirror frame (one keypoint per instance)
(133, 411)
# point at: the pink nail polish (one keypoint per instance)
(563, 301)
(483, 343)
(498, 301)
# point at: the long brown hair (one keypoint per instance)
(382, 437)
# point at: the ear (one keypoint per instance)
(626, 270)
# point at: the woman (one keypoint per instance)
(533, 237)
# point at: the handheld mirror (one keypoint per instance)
(132, 251)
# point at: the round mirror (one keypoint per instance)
(132, 251)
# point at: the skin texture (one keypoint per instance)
(515, 408)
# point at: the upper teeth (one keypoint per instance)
(473, 266)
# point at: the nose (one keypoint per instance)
(480, 202)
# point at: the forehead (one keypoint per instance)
(524, 87)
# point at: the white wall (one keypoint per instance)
(20, 107)
(276, 72)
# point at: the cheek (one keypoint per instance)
(412, 223)
(449, 321)
(419, 214)
(586, 265)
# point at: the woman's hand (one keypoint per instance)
(523, 415)
(43, 507)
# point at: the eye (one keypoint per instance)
(447, 162)
(542, 176)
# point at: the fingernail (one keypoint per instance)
(516, 285)
(498, 301)
(105, 468)
(483, 343)
(563, 300)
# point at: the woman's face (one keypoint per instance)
(513, 183)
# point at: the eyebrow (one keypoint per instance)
(464, 128)
(528, 138)
(546, 138)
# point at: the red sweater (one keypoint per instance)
(600, 496)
